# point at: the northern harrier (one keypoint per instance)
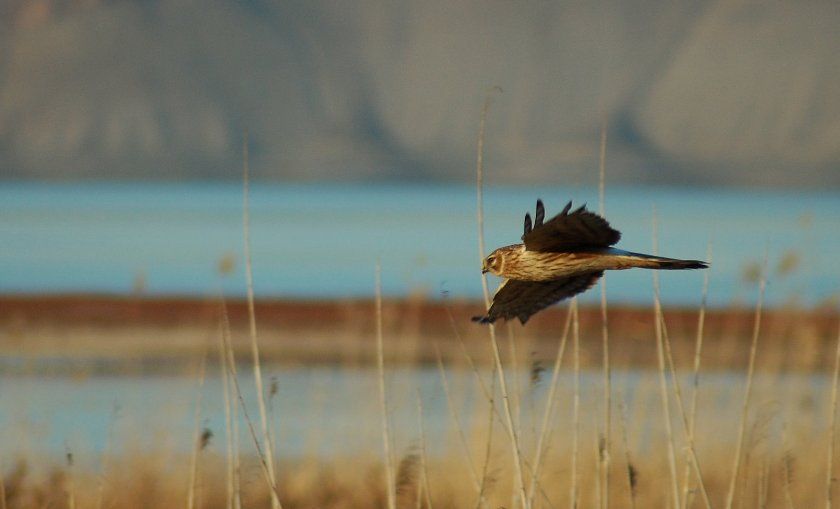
(560, 258)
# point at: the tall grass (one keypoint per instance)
(604, 451)
(508, 413)
(660, 358)
(832, 428)
(383, 400)
(252, 322)
(736, 462)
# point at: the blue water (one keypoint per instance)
(320, 240)
(333, 411)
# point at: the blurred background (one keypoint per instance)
(721, 114)
(693, 92)
(122, 128)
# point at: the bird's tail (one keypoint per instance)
(628, 260)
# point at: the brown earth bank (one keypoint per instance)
(151, 333)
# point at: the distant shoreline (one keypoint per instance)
(171, 331)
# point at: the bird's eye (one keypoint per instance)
(490, 260)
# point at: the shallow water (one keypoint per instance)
(332, 411)
(323, 240)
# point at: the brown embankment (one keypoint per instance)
(342, 330)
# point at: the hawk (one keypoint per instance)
(559, 258)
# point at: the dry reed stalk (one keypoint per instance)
(698, 348)
(383, 403)
(787, 475)
(424, 470)
(2, 488)
(514, 439)
(488, 447)
(487, 392)
(832, 428)
(230, 366)
(736, 462)
(689, 436)
(462, 438)
(604, 452)
(597, 493)
(252, 324)
(548, 412)
(196, 431)
(489, 395)
(516, 394)
(109, 439)
(631, 470)
(663, 386)
(763, 486)
(573, 496)
(71, 488)
(229, 463)
(690, 449)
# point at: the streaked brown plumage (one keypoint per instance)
(558, 259)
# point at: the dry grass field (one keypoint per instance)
(785, 433)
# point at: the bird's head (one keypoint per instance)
(494, 263)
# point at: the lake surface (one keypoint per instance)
(322, 241)
(334, 411)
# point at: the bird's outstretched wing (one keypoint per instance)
(568, 231)
(521, 299)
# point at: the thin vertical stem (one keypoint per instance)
(2, 489)
(252, 323)
(230, 465)
(488, 448)
(548, 412)
(230, 366)
(736, 462)
(604, 451)
(196, 433)
(383, 402)
(514, 440)
(229, 372)
(698, 348)
(663, 386)
(631, 470)
(692, 452)
(423, 459)
(71, 485)
(832, 428)
(454, 412)
(573, 497)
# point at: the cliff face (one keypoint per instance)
(739, 92)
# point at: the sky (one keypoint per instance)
(731, 93)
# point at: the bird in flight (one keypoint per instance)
(559, 258)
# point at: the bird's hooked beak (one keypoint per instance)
(484, 268)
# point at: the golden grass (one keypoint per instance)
(157, 479)
(784, 460)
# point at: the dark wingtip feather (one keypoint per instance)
(566, 209)
(540, 215)
(481, 319)
(528, 225)
(682, 264)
